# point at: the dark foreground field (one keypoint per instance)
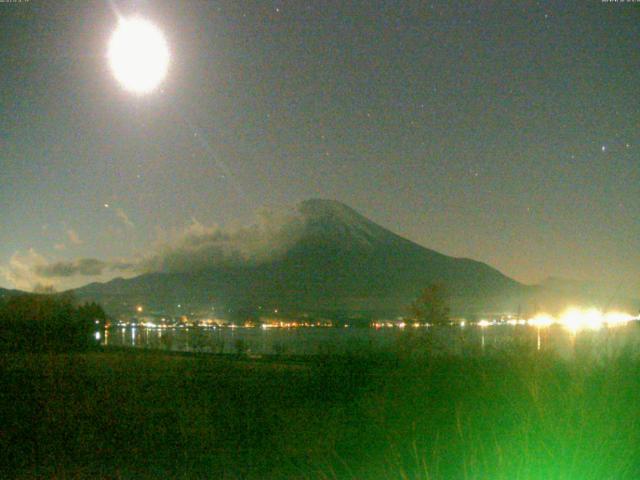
(154, 415)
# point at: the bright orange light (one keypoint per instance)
(542, 320)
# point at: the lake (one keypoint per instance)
(603, 341)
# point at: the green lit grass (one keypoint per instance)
(510, 415)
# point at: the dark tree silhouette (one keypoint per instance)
(432, 305)
(48, 323)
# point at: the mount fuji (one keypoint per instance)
(337, 263)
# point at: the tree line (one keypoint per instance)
(37, 323)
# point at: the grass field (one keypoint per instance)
(133, 414)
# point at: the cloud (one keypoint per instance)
(87, 267)
(74, 237)
(124, 217)
(20, 273)
(32, 271)
(84, 266)
(195, 248)
(199, 247)
(41, 288)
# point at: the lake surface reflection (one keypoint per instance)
(320, 340)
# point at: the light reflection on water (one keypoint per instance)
(310, 341)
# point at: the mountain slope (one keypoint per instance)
(340, 262)
(4, 293)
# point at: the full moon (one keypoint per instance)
(138, 55)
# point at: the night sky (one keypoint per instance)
(507, 132)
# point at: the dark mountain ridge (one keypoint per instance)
(5, 294)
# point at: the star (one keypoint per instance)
(604, 148)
